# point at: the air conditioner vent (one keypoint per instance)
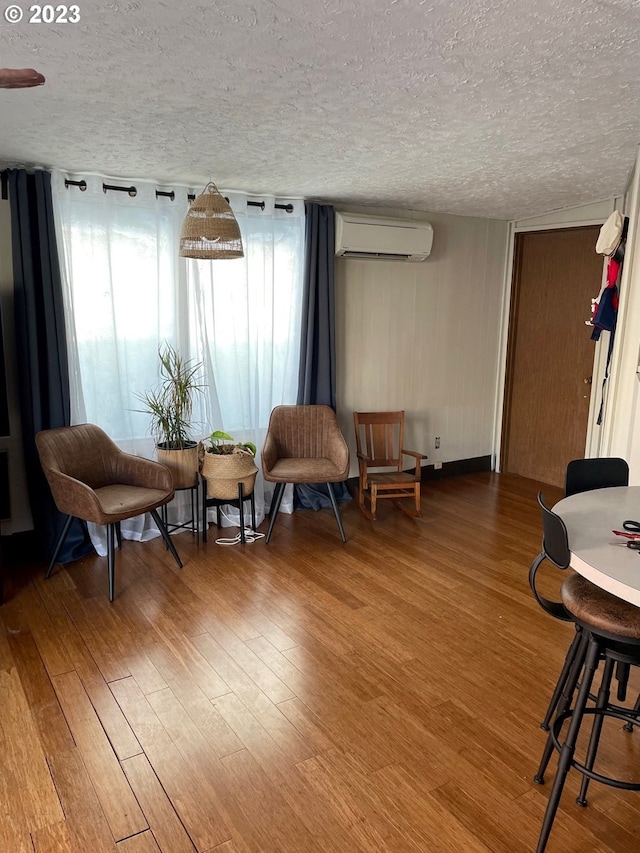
(373, 256)
(379, 238)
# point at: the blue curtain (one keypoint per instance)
(41, 347)
(317, 374)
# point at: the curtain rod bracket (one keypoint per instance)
(82, 185)
(132, 191)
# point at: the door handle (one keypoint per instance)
(588, 380)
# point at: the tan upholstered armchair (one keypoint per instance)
(92, 479)
(304, 445)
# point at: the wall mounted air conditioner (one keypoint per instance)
(375, 237)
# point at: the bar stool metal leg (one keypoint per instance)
(562, 678)
(564, 704)
(568, 747)
(628, 727)
(601, 703)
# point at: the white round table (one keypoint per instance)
(590, 518)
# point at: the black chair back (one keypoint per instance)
(555, 547)
(555, 540)
(583, 475)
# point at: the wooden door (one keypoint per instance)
(550, 353)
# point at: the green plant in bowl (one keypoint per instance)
(221, 444)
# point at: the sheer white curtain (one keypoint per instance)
(127, 290)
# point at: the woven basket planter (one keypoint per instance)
(223, 472)
(183, 464)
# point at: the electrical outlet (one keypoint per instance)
(437, 442)
(437, 466)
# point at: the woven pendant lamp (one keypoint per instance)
(210, 231)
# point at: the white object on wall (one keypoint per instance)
(379, 238)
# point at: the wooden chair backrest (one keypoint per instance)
(380, 436)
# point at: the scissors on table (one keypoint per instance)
(630, 529)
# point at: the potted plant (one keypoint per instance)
(170, 408)
(224, 463)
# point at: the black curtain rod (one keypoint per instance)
(260, 204)
(133, 192)
(82, 185)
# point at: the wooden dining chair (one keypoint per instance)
(380, 446)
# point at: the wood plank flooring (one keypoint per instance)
(381, 695)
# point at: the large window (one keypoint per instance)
(127, 291)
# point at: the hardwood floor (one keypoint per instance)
(302, 696)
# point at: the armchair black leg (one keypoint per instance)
(165, 536)
(276, 500)
(336, 511)
(111, 560)
(59, 543)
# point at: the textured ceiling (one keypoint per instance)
(498, 108)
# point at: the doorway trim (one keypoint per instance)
(576, 217)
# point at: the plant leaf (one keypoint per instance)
(218, 435)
